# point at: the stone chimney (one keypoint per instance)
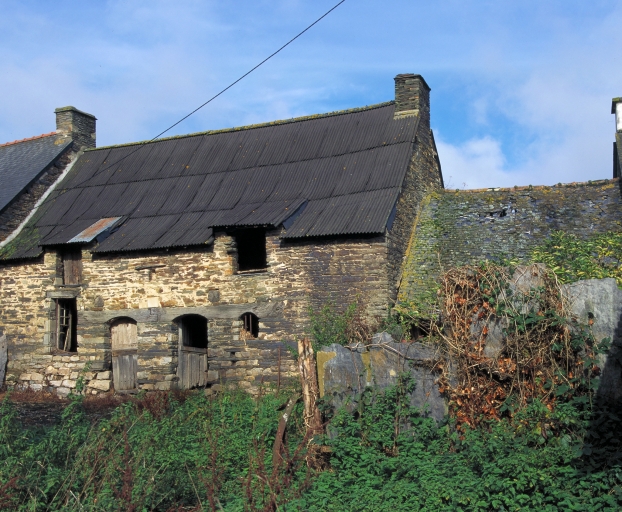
(412, 97)
(78, 125)
(616, 108)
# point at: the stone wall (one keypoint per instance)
(412, 97)
(456, 227)
(20, 208)
(155, 288)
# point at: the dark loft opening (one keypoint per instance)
(420, 329)
(71, 260)
(66, 321)
(251, 249)
(250, 324)
(193, 331)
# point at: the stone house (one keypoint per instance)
(29, 167)
(191, 261)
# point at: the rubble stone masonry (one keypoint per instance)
(156, 288)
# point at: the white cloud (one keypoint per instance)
(520, 91)
(476, 163)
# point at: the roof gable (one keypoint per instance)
(22, 161)
(341, 173)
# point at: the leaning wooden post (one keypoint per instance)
(310, 388)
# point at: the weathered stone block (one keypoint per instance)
(101, 385)
(599, 302)
(344, 373)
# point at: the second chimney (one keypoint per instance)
(412, 97)
(78, 125)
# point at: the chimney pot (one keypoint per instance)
(78, 125)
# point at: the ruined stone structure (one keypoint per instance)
(193, 261)
(460, 227)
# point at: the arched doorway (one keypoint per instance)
(192, 360)
(124, 340)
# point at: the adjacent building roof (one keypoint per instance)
(22, 161)
(332, 174)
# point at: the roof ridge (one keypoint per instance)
(250, 126)
(85, 183)
(27, 139)
(574, 184)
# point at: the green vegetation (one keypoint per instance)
(155, 452)
(167, 452)
(574, 259)
(540, 443)
(331, 325)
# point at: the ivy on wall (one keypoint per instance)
(574, 259)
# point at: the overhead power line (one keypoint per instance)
(221, 92)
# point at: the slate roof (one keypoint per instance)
(332, 174)
(22, 161)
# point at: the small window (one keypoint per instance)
(66, 320)
(72, 266)
(250, 326)
(420, 329)
(251, 245)
(193, 331)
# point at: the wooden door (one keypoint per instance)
(124, 355)
(192, 367)
(72, 266)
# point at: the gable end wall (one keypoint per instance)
(423, 177)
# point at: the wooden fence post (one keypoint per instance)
(310, 388)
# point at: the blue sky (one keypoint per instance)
(521, 90)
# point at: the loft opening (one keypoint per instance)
(71, 265)
(251, 244)
(66, 323)
(420, 328)
(193, 331)
(250, 326)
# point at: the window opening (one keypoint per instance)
(251, 245)
(72, 266)
(420, 328)
(193, 331)
(250, 326)
(66, 320)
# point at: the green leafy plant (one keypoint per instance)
(574, 259)
(330, 325)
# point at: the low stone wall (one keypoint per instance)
(345, 372)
